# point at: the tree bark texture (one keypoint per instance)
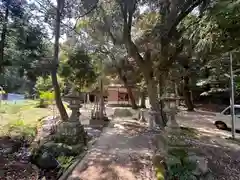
(147, 70)
(187, 93)
(177, 93)
(142, 99)
(161, 103)
(3, 37)
(153, 100)
(130, 93)
(59, 103)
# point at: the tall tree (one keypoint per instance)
(8, 8)
(122, 14)
(55, 62)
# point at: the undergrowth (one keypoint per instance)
(178, 166)
(20, 129)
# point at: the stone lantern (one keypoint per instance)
(170, 108)
(74, 98)
(71, 131)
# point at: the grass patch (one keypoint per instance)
(21, 118)
(19, 129)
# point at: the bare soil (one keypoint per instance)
(213, 144)
(10, 167)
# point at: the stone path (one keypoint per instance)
(123, 152)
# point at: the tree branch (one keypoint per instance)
(88, 12)
(174, 18)
(186, 10)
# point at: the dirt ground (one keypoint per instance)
(10, 167)
(221, 152)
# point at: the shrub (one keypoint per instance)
(46, 97)
(2, 92)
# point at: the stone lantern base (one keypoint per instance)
(71, 133)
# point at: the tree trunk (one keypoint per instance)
(130, 93)
(153, 100)
(161, 103)
(143, 99)
(187, 93)
(3, 37)
(59, 103)
(177, 93)
(146, 67)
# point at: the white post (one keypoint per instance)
(232, 98)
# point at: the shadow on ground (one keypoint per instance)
(221, 152)
(122, 153)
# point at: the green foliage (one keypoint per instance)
(182, 171)
(46, 98)
(24, 45)
(2, 92)
(78, 69)
(178, 164)
(47, 95)
(45, 83)
(65, 161)
(159, 173)
(207, 42)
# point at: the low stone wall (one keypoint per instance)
(123, 112)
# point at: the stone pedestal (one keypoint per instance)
(71, 133)
(141, 116)
(151, 120)
(171, 114)
(170, 109)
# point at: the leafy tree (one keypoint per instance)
(22, 45)
(57, 15)
(78, 69)
(45, 83)
(208, 39)
(117, 20)
(8, 9)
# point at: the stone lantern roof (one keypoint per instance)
(74, 95)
